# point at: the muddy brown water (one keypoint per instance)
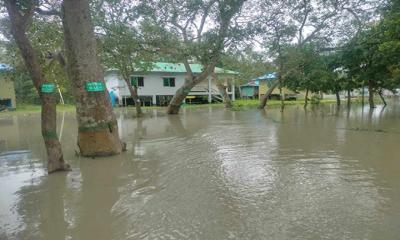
(324, 173)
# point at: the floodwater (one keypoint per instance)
(209, 173)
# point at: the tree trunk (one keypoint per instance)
(382, 98)
(98, 129)
(282, 97)
(180, 95)
(371, 94)
(337, 98)
(306, 99)
(362, 95)
(265, 97)
(135, 97)
(348, 97)
(224, 94)
(190, 82)
(55, 158)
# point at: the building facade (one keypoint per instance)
(158, 85)
(7, 91)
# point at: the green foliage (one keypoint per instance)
(248, 63)
(315, 99)
(46, 37)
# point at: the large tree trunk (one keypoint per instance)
(306, 98)
(180, 95)
(337, 98)
(190, 82)
(224, 94)
(371, 94)
(135, 97)
(55, 159)
(266, 96)
(98, 129)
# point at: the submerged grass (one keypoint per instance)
(238, 105)
(32, 108)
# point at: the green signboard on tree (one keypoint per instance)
(94, 86)
(47, 88)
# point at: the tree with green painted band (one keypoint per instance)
(47, 88)
(94, 86)
(49, 135)
(97, 127)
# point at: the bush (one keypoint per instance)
(315, 99)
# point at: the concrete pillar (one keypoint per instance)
(209, 90)
(154, 100)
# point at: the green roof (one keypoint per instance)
(180, 68)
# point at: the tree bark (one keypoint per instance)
(348, 97)
(382, 98)
(55, 158)
(371, 94)
(362, 95)
(306, 98)
(190, 82)
(135, 97)
(225, 96)
(337, 98)
(265, 97)
(98, 129)
(282, 97)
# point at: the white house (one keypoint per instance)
(157, 85)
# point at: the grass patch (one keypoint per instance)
(32, 108)
(243, 104)
(238, 105)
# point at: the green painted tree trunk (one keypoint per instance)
(19, 24)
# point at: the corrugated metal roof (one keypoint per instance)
(180, 68)
(252, 83)
(267, 76)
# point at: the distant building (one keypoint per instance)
(7, 91)
(260, 86)
(250, 90)
(157, 85)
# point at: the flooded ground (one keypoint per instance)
(209, 174)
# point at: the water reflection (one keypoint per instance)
(317, 173)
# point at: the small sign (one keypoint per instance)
(47, 88)
(94, 86)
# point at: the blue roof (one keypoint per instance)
(256, 81)
(5, 67)
(252, 83)
(267, 76)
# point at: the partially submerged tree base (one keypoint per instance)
(99, 141)
(57, 166)
(98, 130)
(20, 18)
(225, 97)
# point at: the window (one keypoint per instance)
(169, 82)
(137, 81)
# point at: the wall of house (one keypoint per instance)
(264, 87)
(248, 91)
(154, 85)
(7, 91)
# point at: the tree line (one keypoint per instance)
(313, 45)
